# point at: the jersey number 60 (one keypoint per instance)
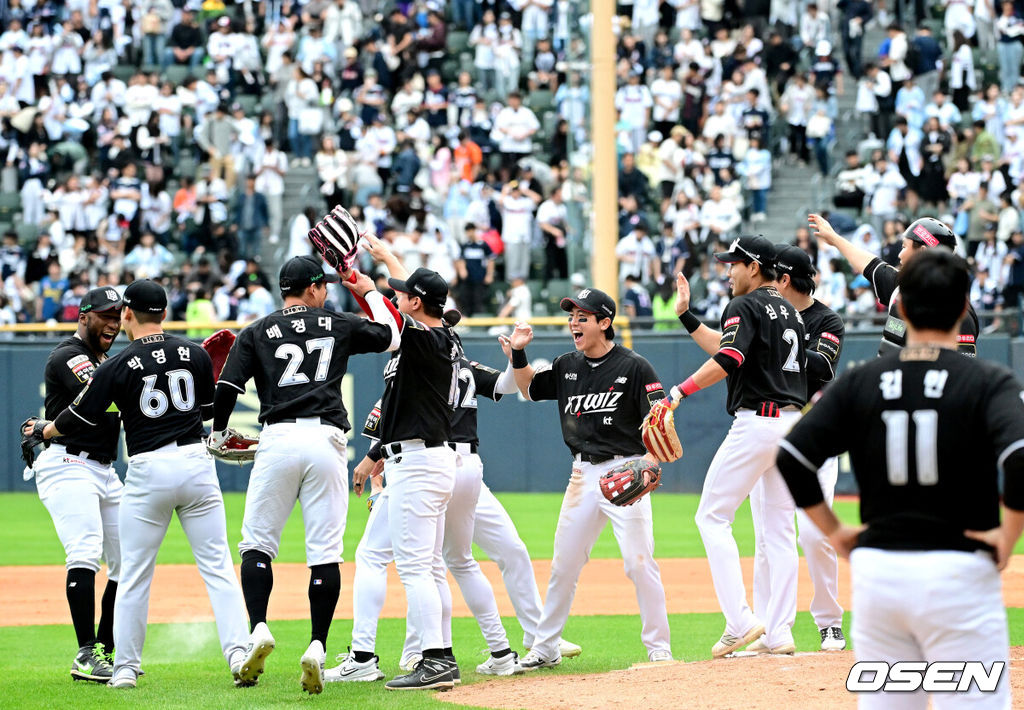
(180, 385)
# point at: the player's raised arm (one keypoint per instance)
(859, 258)
(707, 338)
(521, 337)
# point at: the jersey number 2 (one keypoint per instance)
(467, 397)
(790, 336)
(180, 385)
(897, 443)
(294, 355)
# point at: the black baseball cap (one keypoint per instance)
(303, 271)
(425, 284)
(99, 300)
(750, 248)
(145, 296)
(793, 260)
(594, 301)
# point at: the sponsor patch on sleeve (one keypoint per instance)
(829, 336)
(81, 366)
(925, 236)
(729, 323)
(654, 387)
(966, 339)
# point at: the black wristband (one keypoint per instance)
(690, 321)
(519, 360)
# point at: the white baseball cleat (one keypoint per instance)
(661, 656)
(506, 665)
(312, 663)
(761, 646)
(408, 663)
(729, 643)
(352, 671)
(568, 649)
(832, 639)
(261, 644)
(532, 661)
(122, 680)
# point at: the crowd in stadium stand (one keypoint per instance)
(155, 138)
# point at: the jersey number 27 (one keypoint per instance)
(294, 355)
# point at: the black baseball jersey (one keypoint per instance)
(298, 357)
(602, 401)
(474, 380)
(420, 384)
(823, 338)
(69, 369)
(764, 333)
(894, 336)
(159, 384)
(927, 431)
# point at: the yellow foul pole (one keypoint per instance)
(605, 217)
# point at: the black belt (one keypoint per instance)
(189, 440)
(454, 446)
(395, 448)
(292, 420)
(599, 458)
(771, 410)
(98, 458)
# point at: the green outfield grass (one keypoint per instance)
(27, 536)
(184, 667)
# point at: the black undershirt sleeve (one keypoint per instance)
(728, 363)
(1013, 480)
(374, 454)
(223, 404)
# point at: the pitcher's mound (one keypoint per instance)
(805, 680)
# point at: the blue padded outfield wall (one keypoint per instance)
(521, 442)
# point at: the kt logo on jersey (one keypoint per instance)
(580, 404)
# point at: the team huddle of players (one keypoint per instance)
(777, 349)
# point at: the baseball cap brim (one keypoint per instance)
(399, 285)
(568, 303)
(331, 278)
(115, 306)
(732, 257)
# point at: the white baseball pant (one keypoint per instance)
(822, 563)
(158, 484)
(584, 513)
(82, 496)
(420, 484)
(745, 457)
(942, 605)
(303, 461)
(493, 531)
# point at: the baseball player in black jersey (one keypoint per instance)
(298, 356)
(420, 387)
(79, 487)
(924, 233)
(162, 385)
(761, 353)
(604, 391)
(925, 563)
(823, 337)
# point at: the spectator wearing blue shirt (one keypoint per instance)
(636, 301)
(51, 293)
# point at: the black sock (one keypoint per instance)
(362, 656)
(257, 581)
(433, 653)
(81, 591)
(324, 588)
(501, 654)
(105, 631)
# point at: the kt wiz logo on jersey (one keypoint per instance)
(602, 402)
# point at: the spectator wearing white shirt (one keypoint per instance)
(343, 22)
(553, 220)
(718, 217)
(904, 147)
(883, 188)
(814, 27)
(517, 204)
(875, 99)
(155, 207)
(506, 56)
(149, 259)
(756, 166)
(948, 114)
(484, 40)
(513, 131)
(534, 24)
(637, 255)
(634, 102)
(667, 94)
(797, 102)
(1009, 30)
(270, 172)
(258, 303)
(518, 301)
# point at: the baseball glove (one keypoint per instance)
(336, 238)
(29, 442)
(229, 445)
(217, 347)
(626, 484)
(659, 432)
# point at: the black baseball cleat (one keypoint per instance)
(430, 673)
(456, 676)
(91, 664)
